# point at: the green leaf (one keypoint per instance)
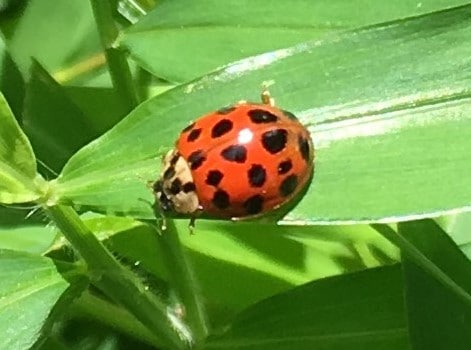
(66, 38)
(357, 311)
(11, 81)
(101, 106)
(181, 40)
(28, 238)
(388, 108)
(439, 310)
(269, 257)
(24, 230)
(56, 126)
(458, 227)
(18, 179)
(30, 287)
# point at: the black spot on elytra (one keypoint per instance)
(189, 127)
(193, 135)
(284, 167)
(259, 116)
(221, 127)
(226, 110)
(254, 204)
(214, 177)
(169, 173)
(189, 187)
(221, 199)
(274, 141)
(289, 115)
(235, 153)
(304, 148)
(176, 186)
(257, 175)
(288, 185)
(196, 159)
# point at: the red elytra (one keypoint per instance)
(238, 162)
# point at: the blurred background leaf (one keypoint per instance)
(439, 316)
(100, 105)
(11, 81)
(56, 126)
(181, 40)
(25, 229)
(458, 228)
(362, 310)
(67, 37)
(60, 120)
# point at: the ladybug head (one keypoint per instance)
(162, 201)
(175, 189)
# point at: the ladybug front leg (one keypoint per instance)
(194, 215)
(191, 225)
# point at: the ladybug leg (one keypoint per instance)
(194, 215)
(160, 216)
(163, 223)
(161, 204)
(266, 97)
(159, 210)
(191, 225)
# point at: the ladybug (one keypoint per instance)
(239, 162)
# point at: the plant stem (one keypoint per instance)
(116, 59)
(119, 283)
(183, 280)
(114, 316)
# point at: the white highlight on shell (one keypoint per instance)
(245, 136)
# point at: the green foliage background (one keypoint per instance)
(374, 256)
